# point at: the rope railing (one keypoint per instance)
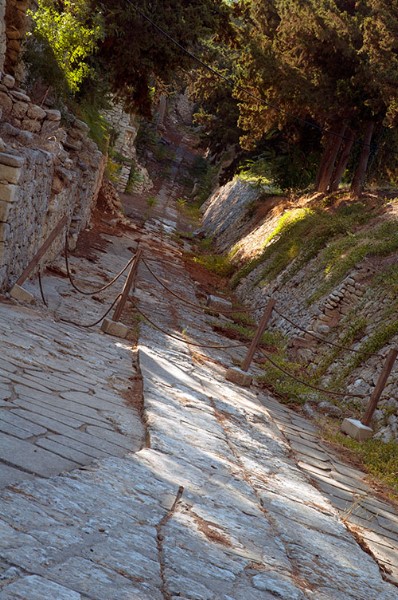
(305, 383)
(199, 307)
(319, 337)
(99, 290)
(87, 326)
(254, 346)
(181, 339)
(41, 288)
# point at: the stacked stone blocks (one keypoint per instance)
(46, 172)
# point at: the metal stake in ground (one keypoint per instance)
(260, 330)
(392, 355)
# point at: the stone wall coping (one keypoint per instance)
(11, 160)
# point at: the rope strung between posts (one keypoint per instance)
(188, 302)
(180, 339)
(319, 337)
(103, 288)
(305, 383)
(41, 288)
(96, 322)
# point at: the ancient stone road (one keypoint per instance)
(226, 495)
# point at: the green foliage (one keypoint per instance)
(288, 389)
(135, 178)
(189, 209)
(343, 254)
(297, 70)
(151, 201)
(134, 54)
(205, 175)
(72, 32)
(375, 342)
(215, 263)
(234, 330)
(350, 330)
(99, 127)
(299, 236)
(112, 170)
(388, 279)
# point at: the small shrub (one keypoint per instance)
(215, 263)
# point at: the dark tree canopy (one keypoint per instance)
(133, 53)
(110, 44)
(333, 63)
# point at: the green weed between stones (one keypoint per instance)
(342, 255)
(215, 263)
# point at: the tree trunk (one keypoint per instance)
(343, 160)
(326, 168)
(360, 172)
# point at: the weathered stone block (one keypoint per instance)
(49, 127)
(218, 303)
(36, 112)
(8, 81)
(115, 328)
(5, 230)
(236, 375)
(53, 115)
(8, 192)
(18, 293)
(81, 125)
(19, 109)
(31, 125)
(356, 430)
(14, 34)
(4, 210)
(5, 102)
(74, 145)
(19, 95)
(11, 160)
(9, 174)
(14, 45)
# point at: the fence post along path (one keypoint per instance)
(241, 376)
(113, 326)
(17, 290)
(361, 430)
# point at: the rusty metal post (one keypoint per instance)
(392, 355)
(127, 287)
(260, 330)
(42, 250)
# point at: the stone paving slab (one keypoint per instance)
(58, 380)
(373, 520)
(19, 453)
(214, 507)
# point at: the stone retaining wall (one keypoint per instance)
(227, 217)
(46, 172)
(3, 37)
(125, 128)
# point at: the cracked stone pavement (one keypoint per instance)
(218, 493)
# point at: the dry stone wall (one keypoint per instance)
(227, 217)
(15, 24)
(132, 175)
(46, 172)
(3, 36)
